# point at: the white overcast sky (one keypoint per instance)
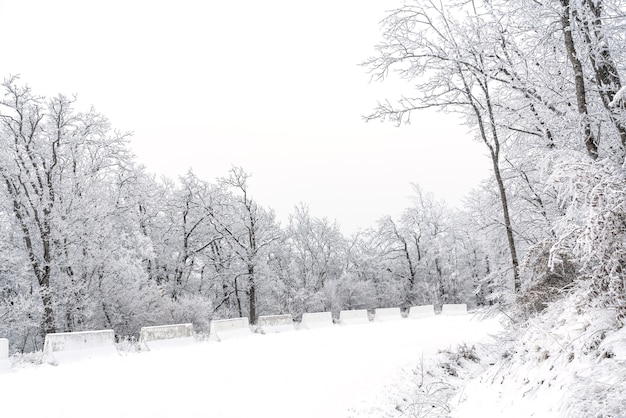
(273, 86)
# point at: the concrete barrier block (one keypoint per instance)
(5, 363)
(423, 311)
(66, 347)
(223, 329)
(4, 348)
(316, 320)
(355, 317)
(271, 324)
(454, 309)
(387, 314)
(162, 336)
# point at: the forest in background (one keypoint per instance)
(90, 240)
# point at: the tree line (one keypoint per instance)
(90, 240)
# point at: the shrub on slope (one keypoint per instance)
(568, 361)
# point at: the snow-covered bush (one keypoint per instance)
(20, 321)
(190, 308)
(353, 293)
(548, 275)
(568, 361)
(593, 229)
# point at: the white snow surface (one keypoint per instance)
(563, 364)
(340, 371)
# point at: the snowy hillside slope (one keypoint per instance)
(343, 371)
(566, 363)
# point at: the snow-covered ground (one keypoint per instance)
(563, 363)
(344, 371)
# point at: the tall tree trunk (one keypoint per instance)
(238, 299)
(579, 80)
(406, 254)
(494, 152)
(495, 159)
(48, 312)
(252, 294)
(604, 68)
(44, 282)
(507, 222)
(441, 291)
(42, 273)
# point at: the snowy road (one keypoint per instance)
(343, 371)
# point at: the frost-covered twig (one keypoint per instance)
(619, 97)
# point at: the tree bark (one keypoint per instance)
(605, 71)
(507, 223)
(252, 294)
(579, 80)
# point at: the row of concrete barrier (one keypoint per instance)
(69, 346)
(222, 329)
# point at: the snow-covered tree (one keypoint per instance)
(248, 230)
(57, 166)
(318, 256)
(445, 52)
